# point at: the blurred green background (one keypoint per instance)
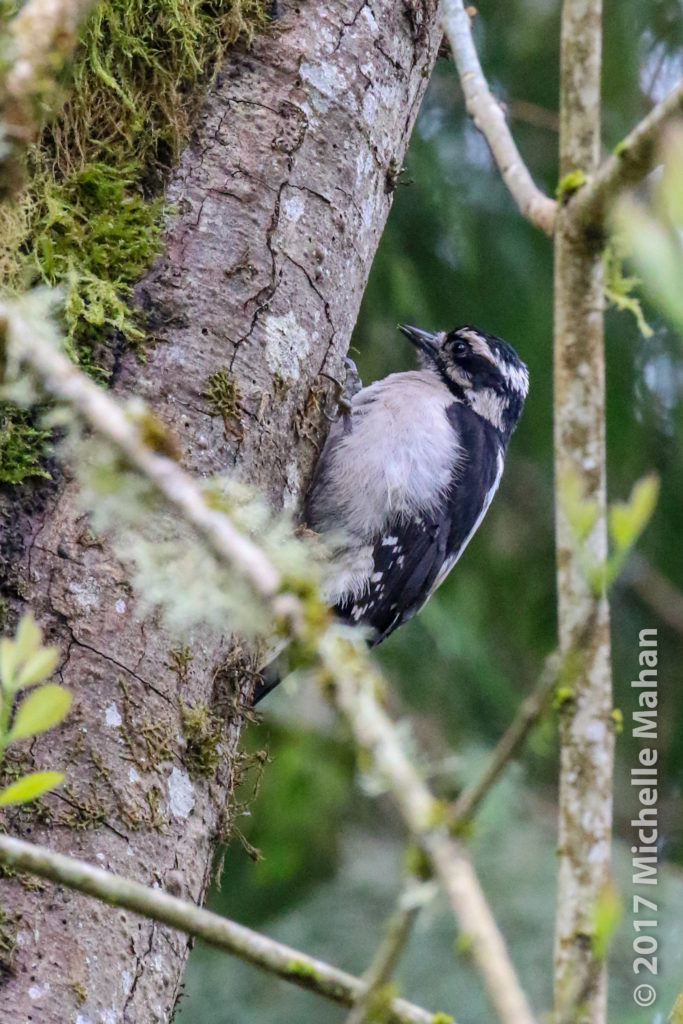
(456, 251)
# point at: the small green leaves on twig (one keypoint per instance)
(42, 709)
(626, 521)
(25, 662)
(30, 787)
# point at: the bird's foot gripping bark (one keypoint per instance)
(345, 392)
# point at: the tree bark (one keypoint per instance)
(278, 204)
(587, 728)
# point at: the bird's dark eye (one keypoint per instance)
(459, 348)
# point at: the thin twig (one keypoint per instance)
(354, 692)
(534, 115)
(253, 947)
(490, 119)
(388, 954)
(528, 714)
(628, 164)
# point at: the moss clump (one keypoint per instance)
(280, 385)
(89, 219)
(79, 991)
(223, 395)
(83, 813)
(563, 697)
(179, 661)
(416, 862)
(22, 446)
(570, 184)
(9, 928)
(92, 233)
(379, 1006)
(203, 732)
(300, 969)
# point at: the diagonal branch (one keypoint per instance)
(397, 933)
(354, 693)
(63, 380)
(253, 947)
(489, 118)
(629, 163)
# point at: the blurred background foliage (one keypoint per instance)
(456, 251)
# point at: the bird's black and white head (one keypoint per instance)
(479, 369)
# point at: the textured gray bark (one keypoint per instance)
(280, 200)
(586, 726)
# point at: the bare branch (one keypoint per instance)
(631, 160)
(490, 120)
(354, 693)
(42, 36)
(388, 954)
(253, 947)
(529, 712)
(534, 115)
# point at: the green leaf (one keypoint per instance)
(628, 519)
(28, 637)
(8, 662)
(30, 787)
(39, 667)
(42, 709)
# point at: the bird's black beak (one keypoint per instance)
(423, 340)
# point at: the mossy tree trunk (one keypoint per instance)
(278, 204)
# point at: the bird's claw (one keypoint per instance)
(345, 392)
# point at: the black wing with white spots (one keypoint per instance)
(413, 555)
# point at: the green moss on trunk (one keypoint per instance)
(90, 218)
